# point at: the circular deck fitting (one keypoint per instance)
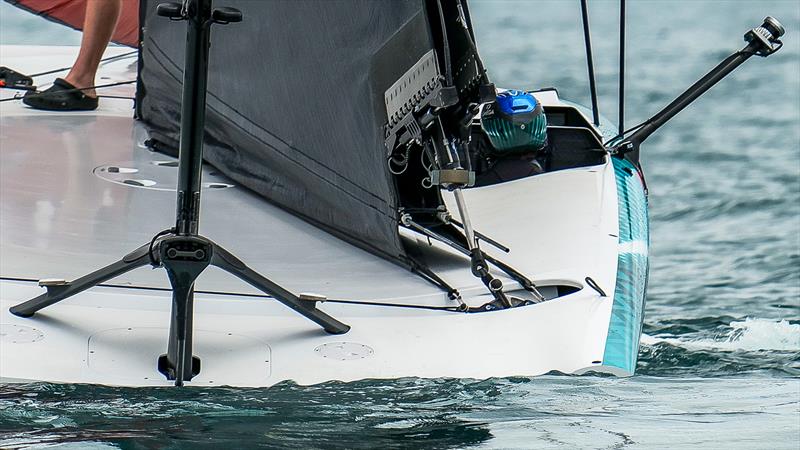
(139, 183)
(160, 175)
(19, 334)
(344, 351)
(116, 169)
(217, 185)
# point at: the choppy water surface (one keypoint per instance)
(720, 359)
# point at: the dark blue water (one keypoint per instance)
(720, 359)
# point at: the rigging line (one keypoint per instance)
(46, 94)
(395, 305)
(626, 132)
(423, 154)
(621, 123)
(264, 296)
(483, 237)
(445, 45)
(429, 275)
(470, 38)
(117, 96)
(415, 263)
(514, 274)
(589, 61)
(634, 128)
(104, 60)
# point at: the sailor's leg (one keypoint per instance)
(98, 27)
(57, 292)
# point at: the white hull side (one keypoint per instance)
(60, 219)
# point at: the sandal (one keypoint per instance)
(62, 96)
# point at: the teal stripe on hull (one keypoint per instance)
(627, 312)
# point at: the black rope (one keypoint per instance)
(446, 46)
(471, 42)
(395, 305)
(425, 272)
(621, 123)
(46, 94)
(590, 62)
(520, 278)
(263, 296)
(153, 261)
(117, 96)
(109, 59)
(625, 133)
(593, 284)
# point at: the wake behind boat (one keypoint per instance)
(566, 283)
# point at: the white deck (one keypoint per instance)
(62, 214)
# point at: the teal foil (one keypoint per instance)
(627, 312)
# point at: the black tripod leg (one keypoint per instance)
(184, 258)
(135, 259)
(178, 363)
(226, 261)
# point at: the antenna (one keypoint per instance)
(621, 121)
(589, 62)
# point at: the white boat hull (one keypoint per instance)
(65, 213)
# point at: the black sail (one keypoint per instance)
(296, 107)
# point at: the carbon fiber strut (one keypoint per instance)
(407, 221)
(763, 41)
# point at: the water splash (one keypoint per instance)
(750, 334)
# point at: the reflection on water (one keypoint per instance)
(545, 412)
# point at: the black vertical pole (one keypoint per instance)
(589, 62)
(193, 111)
(621, 122)
(190, 171)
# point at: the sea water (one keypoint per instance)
(719, 364)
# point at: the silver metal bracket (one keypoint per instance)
(50, 282)
(457, 177)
